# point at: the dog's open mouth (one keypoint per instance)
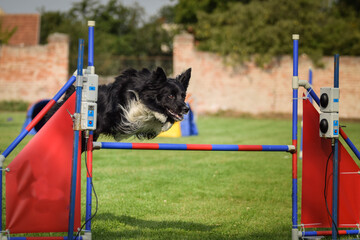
(177, 117)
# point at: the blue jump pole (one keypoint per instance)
(91, 25)
(295, 86)
(335, 196)
(76, 138)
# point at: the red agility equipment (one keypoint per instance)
(316, 152)
(38, 183)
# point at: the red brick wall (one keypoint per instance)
(251, 90)
(31, 73)
(28, 28)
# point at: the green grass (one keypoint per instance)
(13, 106)
(193, 195)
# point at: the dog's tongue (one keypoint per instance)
(179, 117)
(176, 116)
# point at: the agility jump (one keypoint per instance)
(73, 151)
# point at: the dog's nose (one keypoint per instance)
(185, 109)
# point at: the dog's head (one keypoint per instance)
(166, 95)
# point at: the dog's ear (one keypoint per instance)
(184, 78)
(158, 77)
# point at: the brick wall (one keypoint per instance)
(248, 89)
(27, 28)
(31, 73)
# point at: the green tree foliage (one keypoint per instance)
(6, 34)
(120, 31)
(186, 11)
(262, 29)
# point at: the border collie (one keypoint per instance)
(138, 103)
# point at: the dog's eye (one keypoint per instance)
(171, 96)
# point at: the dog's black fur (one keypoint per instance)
(138, 103)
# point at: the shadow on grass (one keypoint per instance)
(131, 227)
(110, 226)
(151, 224)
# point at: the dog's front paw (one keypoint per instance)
(166, 126)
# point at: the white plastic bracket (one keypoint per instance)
(77, 121)
(295, 82)
(295, 36)
(91, 70)
(91, 23)
(86, 236)
(5, 235)
(295, 234)
(305, 84)
(2, 159)
(292, 148)
(97, 145)
(84, 72)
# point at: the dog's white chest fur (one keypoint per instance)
(139, 120)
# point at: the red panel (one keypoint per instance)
(316, 151)
(38, 184)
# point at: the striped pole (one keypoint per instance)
(43, 238)
(329, 233)
(295, 86)
(193, 147)
(77, 135)
(350, 143)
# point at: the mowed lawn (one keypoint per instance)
(146, 194)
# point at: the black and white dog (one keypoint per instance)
(139, 103)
